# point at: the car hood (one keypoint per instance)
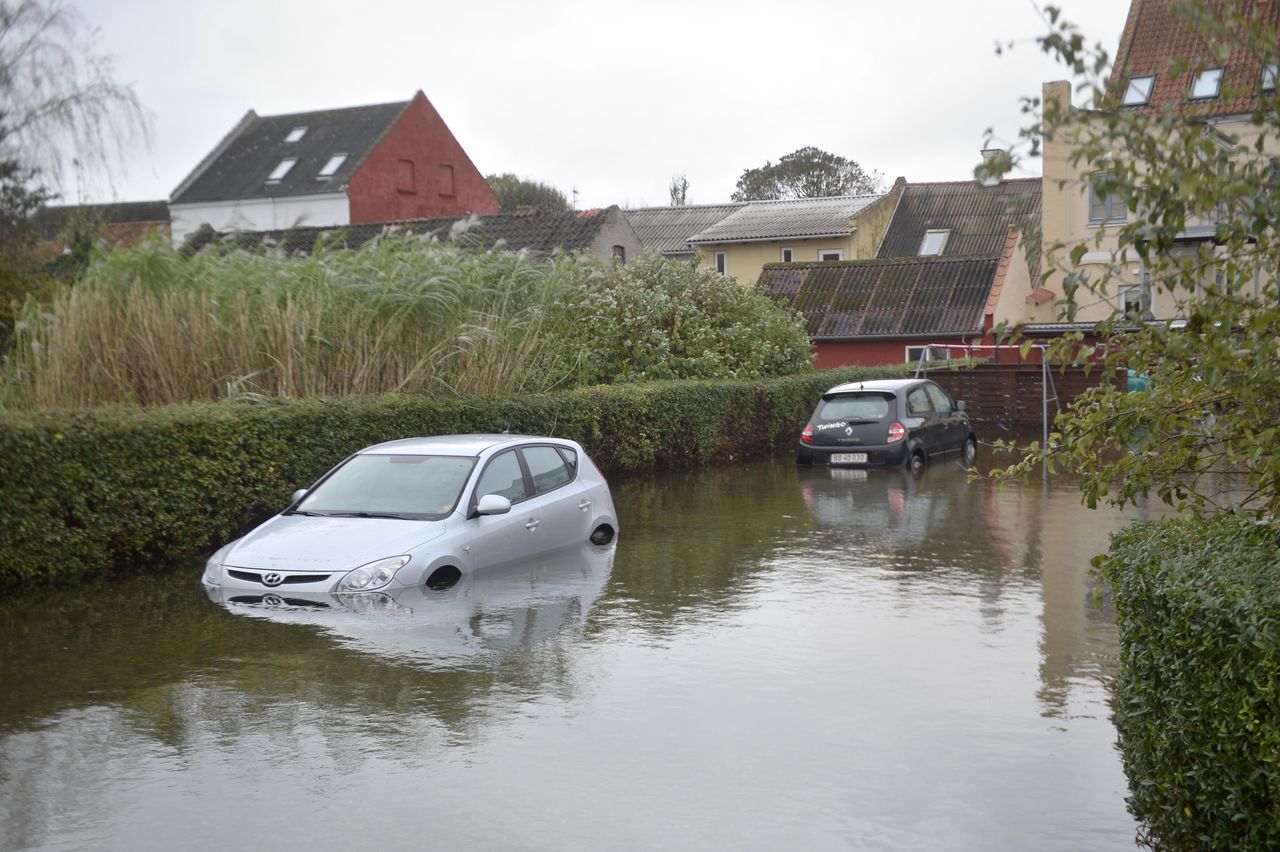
(301, 543)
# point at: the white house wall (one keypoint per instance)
(267, 214)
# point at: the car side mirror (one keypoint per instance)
(297, 495)
(958, 405)
(493, 504)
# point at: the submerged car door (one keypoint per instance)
(563, 505)
(503, 538)
(954, 424)
(931, 426)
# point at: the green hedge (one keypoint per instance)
(112, 489)
(1197, 701)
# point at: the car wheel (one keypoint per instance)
(443, 578)
(917, 461)
(970, 451)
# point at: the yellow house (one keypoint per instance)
(805, 230)
(1162, 67)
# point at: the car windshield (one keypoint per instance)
(398, 486)
(860, 406)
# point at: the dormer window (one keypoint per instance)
(1269, 74)
(1139, 90)
(1206, 84)
(933, 242)
(335, 162)
(281, 169)
(295, 135)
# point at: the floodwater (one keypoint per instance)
(771, 658)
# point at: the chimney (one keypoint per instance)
(995, 161)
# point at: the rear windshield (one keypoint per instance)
(857, 406)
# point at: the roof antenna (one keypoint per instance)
(575, 198)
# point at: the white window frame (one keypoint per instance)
(1139, 89)
(296, 134)
(944, 233)
(1206, 78)
(935, 353)
(783, 255)
(282, 168)
(1138, 295)
(839, 255)
(1269, 74)
(721, 261)
(331, 166)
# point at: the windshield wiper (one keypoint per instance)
(300, 512)
(391, 515)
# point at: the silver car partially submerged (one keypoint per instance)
(424, 512)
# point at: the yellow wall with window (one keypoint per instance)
(1069, 219)
(746, 260)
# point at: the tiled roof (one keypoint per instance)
(977, 216)
(667, 229)
(774, 220)
(52, 221)
(1154, 39)
(239, 167)
(902, 297)
(571, 231)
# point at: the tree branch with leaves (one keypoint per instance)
(1209, 422)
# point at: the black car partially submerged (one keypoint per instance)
(888, 423)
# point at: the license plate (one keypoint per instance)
(848, 458)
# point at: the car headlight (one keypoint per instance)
(372, 576)
(213, 567)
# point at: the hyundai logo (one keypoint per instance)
(272, 579)
(272, 600)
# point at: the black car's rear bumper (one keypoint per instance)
(887, 455)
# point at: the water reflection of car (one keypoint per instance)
(886, 423)
(497, 609)
(891, 506)
(423, 512)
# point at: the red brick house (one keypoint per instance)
(376, 163)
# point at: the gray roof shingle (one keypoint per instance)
(977, 216)
(798, 218)
(574, 230)
(238, 168)
(901, 297)
(667, 229)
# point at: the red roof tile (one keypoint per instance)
(1157, 37)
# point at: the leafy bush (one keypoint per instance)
(107, 489)
(660, 319)
(401, 313)
(1197, 701)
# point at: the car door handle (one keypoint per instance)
(584, 505)
(533, 524)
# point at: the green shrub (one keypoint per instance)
(107, 489)
(657, 319)
(401, 313)
(1197, 701)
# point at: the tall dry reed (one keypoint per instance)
(149, 326)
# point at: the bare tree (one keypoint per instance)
(60, 105)
(679, 189)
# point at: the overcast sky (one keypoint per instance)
(609, 99)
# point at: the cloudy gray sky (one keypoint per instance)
(611, 99)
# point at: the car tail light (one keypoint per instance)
(806, 437)
(896, 432)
